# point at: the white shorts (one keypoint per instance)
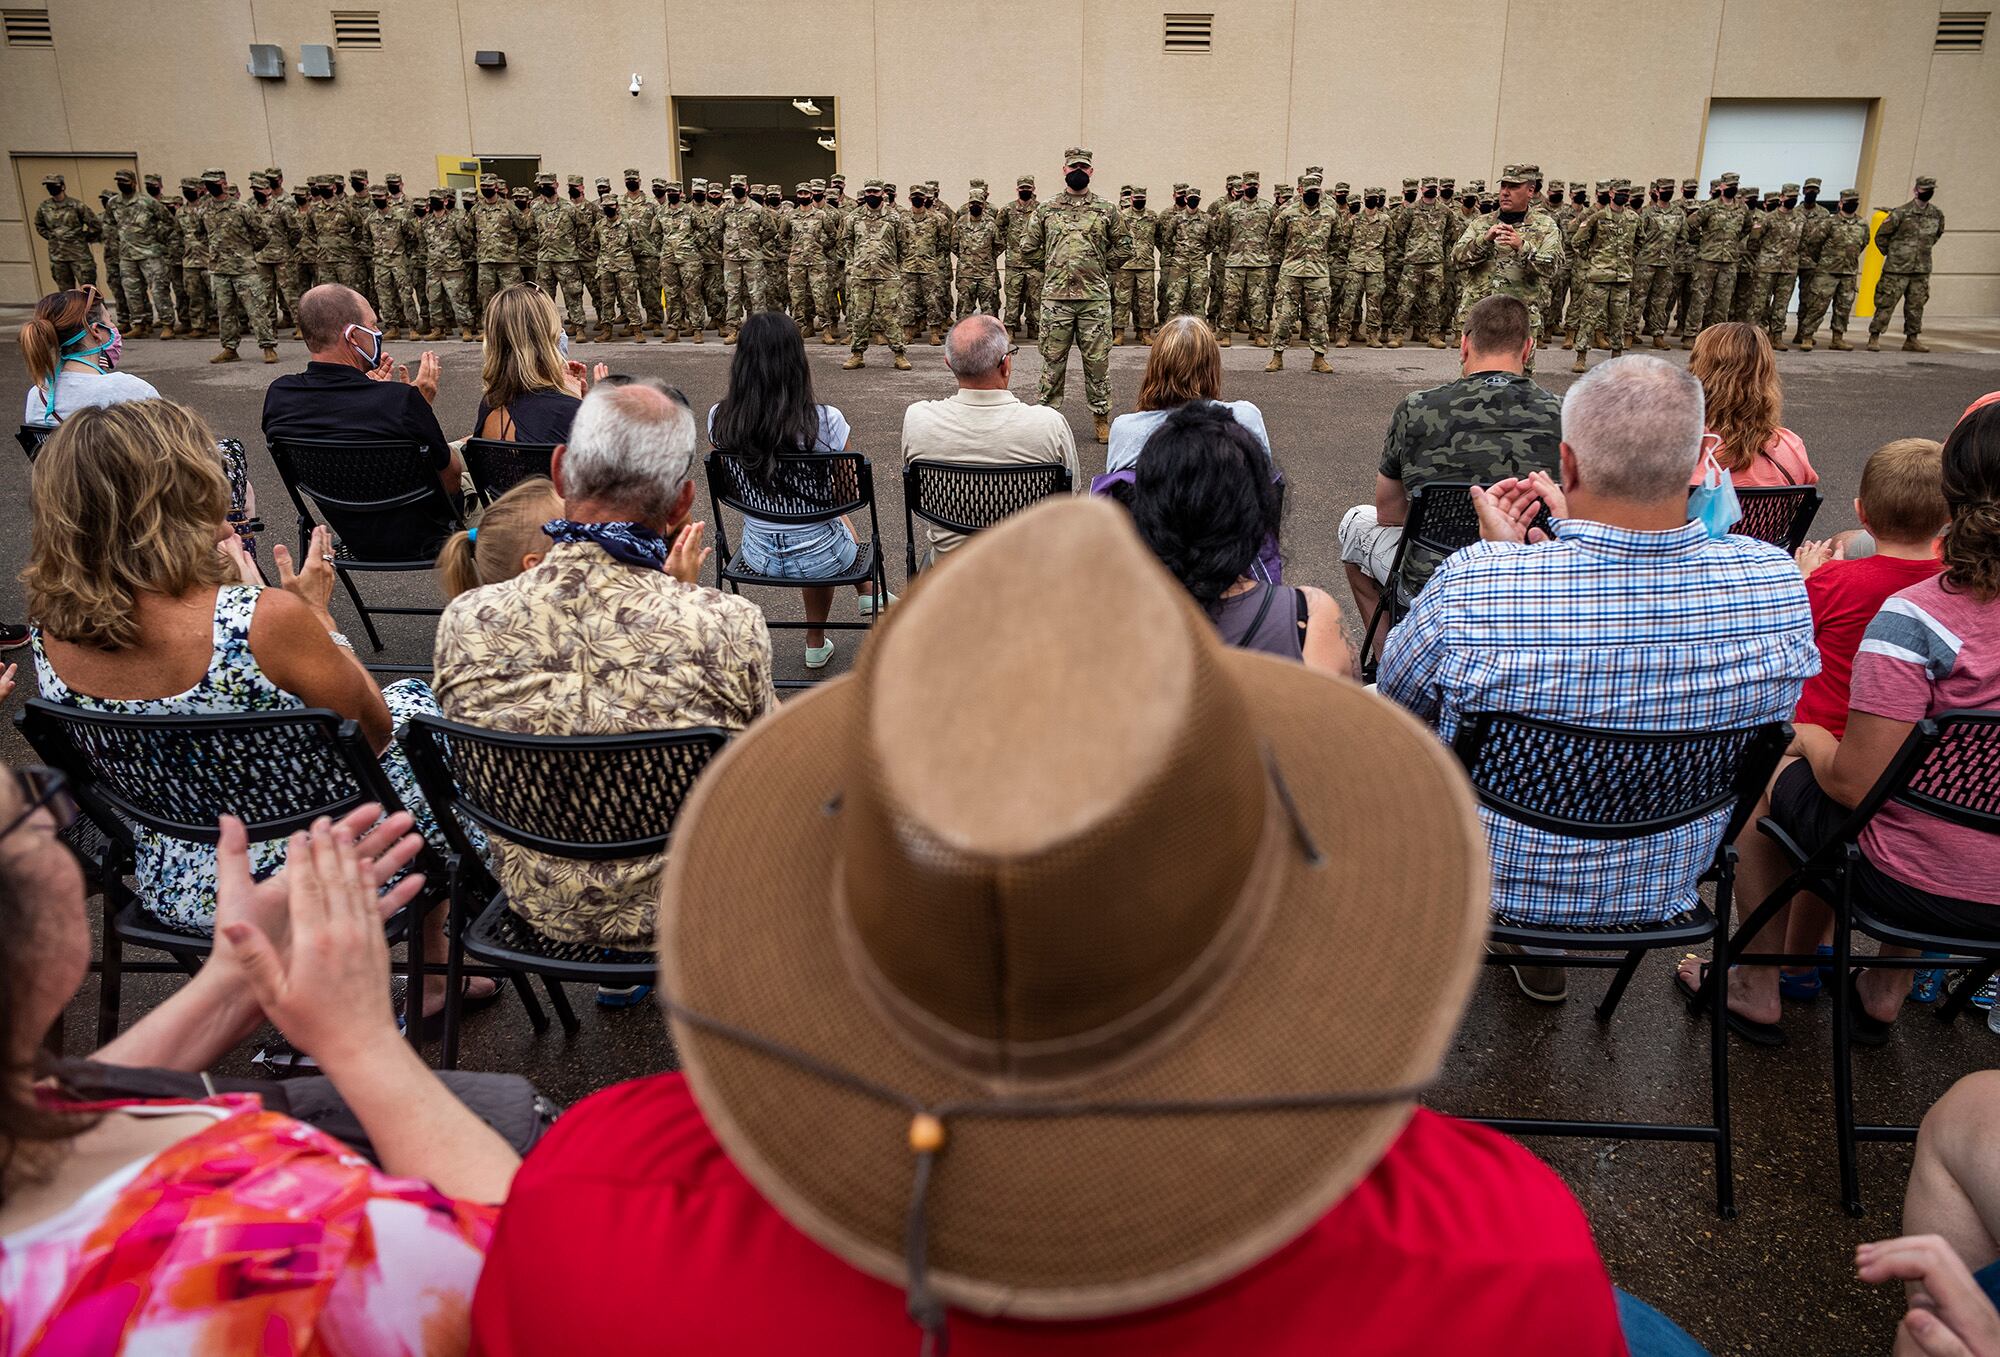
(1369, 544)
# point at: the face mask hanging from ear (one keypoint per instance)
(1714, 504)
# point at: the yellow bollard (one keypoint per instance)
(1871, 270)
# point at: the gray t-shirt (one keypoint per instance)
(1130, 432)
(78, 389)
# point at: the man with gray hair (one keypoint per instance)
(609, 633)
(1631, 618)
(984, 424)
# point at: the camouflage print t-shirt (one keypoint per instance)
(1481, 428)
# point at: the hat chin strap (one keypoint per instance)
(927, 1130)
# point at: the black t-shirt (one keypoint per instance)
(539, 417)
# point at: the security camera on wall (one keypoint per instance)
(638, 81)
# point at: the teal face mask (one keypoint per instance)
(1713, 502)
(110, 348)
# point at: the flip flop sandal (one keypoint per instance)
(1756, 1033)
(1863, 1027)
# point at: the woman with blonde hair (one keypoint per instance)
(508, 541)
(529, 386)
(1739, 383)
(1185, 365)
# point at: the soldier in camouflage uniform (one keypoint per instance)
(1830, 246)
(711, 257)
(389, 249)
(278, 259)
(194, 257)
(68, 226)
(1686, 205)
(415, 211)
(1346, 211)
(1561, 290)
(977, 241)
(1662, 228)
(1421, 302)
(1777, 266)
(1246, 249)
(618, 265)
(1367, 256)
(743, 226)
(1512, 250)
(1605, 243)
(1188, 243)
(925, 237)
(114, 278)
(496, 235)
(231, 234)
(1218, 277)
(1754, 225)
(1132, 295)
(1905, 239)
(808, 238)
(1399, 214)
(1301, 237)
(587, 216)
(336, 242)
(1463, 210)
(176, 256)
(1021, 305)
(636, 210)
(681, 266)
(871, 240)
(777, 250)
(143, 224)
(559, 230)
(1078, 242)
(447, 240)
(1717, 231)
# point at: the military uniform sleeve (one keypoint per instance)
(1034, 242)
(93, 229)
(1473, 247)
(42, 221)
(1119, 247)
(1547, 258)
(1890, 225)
(1581, 233)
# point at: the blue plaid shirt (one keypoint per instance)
(1617, 629)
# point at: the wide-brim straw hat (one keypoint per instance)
(1051, 848)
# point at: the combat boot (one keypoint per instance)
(1840, 344)
(1340, 341)
(393, 332)
(637, 334)
(1147, 339)
(695, 337)
(271, 353)
(1320, 364)
(1374, 339)
(1914, 345)
(670, 335)
(169, 332)
(297, 333)
(465, 334)
(1436, 341)
(1806, 345)
(603, 335)
(1687, 341)
(880, 338)
(1224, 341)
(1874, 342)
(1277, 363)
(1582, 361)
(902, 363)
(1779, 345)
(1395, 340)
(826, 336)
(226, 356)
(1569, 339)
(1260, 340)
(198, 332)
(854, 360)
(1102, 425)
(1117, 339)
(937, 339)
(1658, 342)
(137, 331)
(430, 334)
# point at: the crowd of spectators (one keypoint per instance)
(980, 918)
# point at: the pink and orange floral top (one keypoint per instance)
(257, 1235)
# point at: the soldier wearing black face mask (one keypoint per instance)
(1717, 231)
(1830, 249)
(1021, 296)
(1905, 239)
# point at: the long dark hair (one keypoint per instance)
(28, 1131)
(1203, 499)
(769, 408)
(1972, 489)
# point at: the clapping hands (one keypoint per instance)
(1507, 509)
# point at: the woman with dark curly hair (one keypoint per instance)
(1934, 647)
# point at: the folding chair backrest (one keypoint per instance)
(1954, 770)
(497, 466)
(1441, 517)
(175, 775)
(1616, 784)
(31, 437)
(382, 500)
(803, 488)
(969, 499)
(1780, 514)
(591, 797)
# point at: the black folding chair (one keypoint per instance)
(1779, 514)
(587, 798)
(32, 436)
(1617, 784)
(1441, 519)
(969, 499)
(804, 489)
(277, 771)
(497, 466)
(1948, 767)
(387, 510)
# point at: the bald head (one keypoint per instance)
(325, 312)
(631, 447)
(976, 352)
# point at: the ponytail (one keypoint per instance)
(509, 531)
(59, 318)
(1971, 464)
(41, 349)
(458, 569)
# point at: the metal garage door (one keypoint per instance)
(1772, 142)
(84, 176)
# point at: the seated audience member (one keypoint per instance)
(1492, 424)
(984, 423)
(71, 350)
(1933, 647)
(176, 622)
(167, 1225)
(1185, 365)
(512, 536)
(1204, 501)
(529, 388)
(610, 632)
(1614, 624)
(1951, 1309)
(351, 389)
(1139, 878)
(1744, 404)
(769, 412)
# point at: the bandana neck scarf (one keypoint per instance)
(632, 543)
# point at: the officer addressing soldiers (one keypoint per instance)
(1905, 239)
(1511, 250)
(1077, 241)
(1301, 236)
(1830, 247)
(68, 226)
(872, 242)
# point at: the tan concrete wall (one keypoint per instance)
(1371, 89)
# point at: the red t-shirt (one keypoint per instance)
(1845, 597)
(629, 1230)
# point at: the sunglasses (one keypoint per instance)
(43, 789)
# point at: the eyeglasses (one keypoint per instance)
(43, 789)
(1013, 349)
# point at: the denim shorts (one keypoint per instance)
(817, 551)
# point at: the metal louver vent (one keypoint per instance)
(1962, 30)
(1187, 33)
(357, 28)
(27, 28)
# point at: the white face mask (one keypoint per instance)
(371, 352)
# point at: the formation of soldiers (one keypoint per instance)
(1601, 266)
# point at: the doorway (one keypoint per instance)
(84, 177)
(516, 171)
(779, 140)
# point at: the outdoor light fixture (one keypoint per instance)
(826, 143)
(807, 107)
(490, 61)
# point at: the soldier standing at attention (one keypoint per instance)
(68, 226)
(976, 243)
(1344, 215)
(743, 228)
(496, 247)
(1246, 246)
(635, 209)
(559, 227)
(176, 258)
(831, 195)
(1187, 277)
(1021, 307)
(805, 230)
(1811, 212)
(143, 222)
(1555, 311)
(1831, 245)
(447, 237)
(1686, 206)
(1777, 267)
(1746, 256)
(1301, 236)
(389, 248)
(681, 271)
(1422, 297)
(278, 260)
(777, 247)
(1905, 239)
(1170, 219)
(872, 243)
(194, 256)
(923, 237)
(1512, 250)
(617, 263)
(1079, 243)
(1717, 229)
(1367, 255)
(1605, 242)
(707, 203)
(1132, 297)
(1399, 214)
(1462, 212)
(232, 233)
(1218, 276)
(302, 211)
(1662, 231)
(114, 277)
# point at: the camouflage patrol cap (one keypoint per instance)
(1180, 188)
(1376, 192)
(441, 192)
(1750, 192)
(1515, 174)
(603, 186)
(1925, 181)
(545, 177)
(1319, 170)
(659, 183)
(1731, 177)
(1410, 183)
(1556, 186)
(187, 181)
(1428, 181)
(152, 181)
(125, 176)
(1814, 181)
(698, 182)
(1249, 177)
(888, 187)
(260, 181)
(378, 190)
(1233, 179)
(802, 187)
(1533, 171)
(393, 179)
(931, 187)
(1473, 188)
(1664, 181)
(1308, 180)
(1138, 190)
(837, 181)
(977, 193)
(736, 179)
(273, 173)
(1789, 190)
(362, 175)
(631, 174)
(874, 185)
(818, 183)
(519, 193)
(1850, 195)
(1447, 184)
(1341, 187)
(1078, 155)
(1690, 183)
(104, 195)
(1124, 190)
(486, 179)
(214, 177)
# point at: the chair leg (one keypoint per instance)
(367, 622)
(1718, 1072)
(1843, 1064)
(454, 984)
(1609, 1005)
(536, 1018)
(1961, 993)
(413, 988)
(110, 978)
(560, 1003)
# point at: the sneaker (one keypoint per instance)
(866, 604)
(1984, 999)
(623, 998)
(1926, 986)
(1543, 984)
(13, 635)
(818, 656)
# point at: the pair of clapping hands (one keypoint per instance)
(1508, 509)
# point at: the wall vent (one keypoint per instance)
(1189, 33)
(1962, 30)
(357, 28)
(27, 27)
